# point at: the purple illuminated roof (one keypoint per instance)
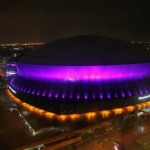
(84, 73)
(86, 58)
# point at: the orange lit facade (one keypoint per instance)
(74, 117)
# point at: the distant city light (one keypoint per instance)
(19, 44)
(73, 117)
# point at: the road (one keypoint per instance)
(126, 136)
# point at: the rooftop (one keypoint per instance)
(87, 50)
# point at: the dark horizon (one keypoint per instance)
(45, 21)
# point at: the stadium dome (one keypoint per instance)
(87, 50)
(83, 74)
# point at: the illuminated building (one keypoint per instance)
(10, 69)
(83, 74)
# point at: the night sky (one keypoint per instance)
(47, 20)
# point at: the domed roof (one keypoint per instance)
(87, 50)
